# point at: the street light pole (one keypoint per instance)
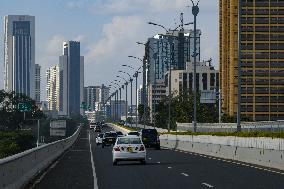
(239, 128)
(136, 76)
(195, 11)
(131, 100)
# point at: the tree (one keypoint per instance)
(10, 116)
(182, 111)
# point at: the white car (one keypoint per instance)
(128, 148)
(99, 139)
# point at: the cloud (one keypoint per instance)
(116, 36)
(128, 6)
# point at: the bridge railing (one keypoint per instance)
(17, 170)
(268, 126)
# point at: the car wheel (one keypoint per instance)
(114, 162)
(143, 162)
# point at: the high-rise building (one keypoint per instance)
(160, 54)
(19, 54)
(37, 83)
(95, 97)
(140, 95)
(71, 72)
(92, 94)
(52, 88)
(262, 59)
(105, 93)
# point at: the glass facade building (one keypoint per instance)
(19, 54)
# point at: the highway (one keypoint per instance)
(164, 169)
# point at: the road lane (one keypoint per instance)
(73, 170)
(172, 169)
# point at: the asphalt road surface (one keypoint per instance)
(164, 169)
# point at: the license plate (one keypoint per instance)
(129, 149)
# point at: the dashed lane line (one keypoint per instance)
(184, 174)
(93, 165)
(208, 185)
(232, 162)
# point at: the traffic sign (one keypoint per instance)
(24, 107)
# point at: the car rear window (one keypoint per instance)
(129, 141)
(110, 135)
(149, 132)
(119, 133)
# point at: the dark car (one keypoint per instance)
(109, 138)
(98, 129)
(119, 134)
(150, 138)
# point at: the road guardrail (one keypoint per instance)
(16, 171)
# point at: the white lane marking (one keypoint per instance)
(208, 185)
(149, 158)
(232, 162)
(169, 167)
(93, 165)
(184, 174)
(158, 162)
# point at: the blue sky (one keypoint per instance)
(107, 29)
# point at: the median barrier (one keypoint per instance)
(16, 171)
(265, 156)
(263, 151)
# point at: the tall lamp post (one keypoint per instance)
(144, 87)
(154, 86)
(130, 80)
(195, 11)
(126, 106)
(170, 66)
(239, 128)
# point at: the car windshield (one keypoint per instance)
(129, 141)
(119, 133)
(110, 135)
(133, 133)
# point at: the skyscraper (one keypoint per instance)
(19, 54)
(71, 72)
(37, 83)
(262, 59)
(52, 88)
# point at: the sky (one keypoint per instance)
(108, 31)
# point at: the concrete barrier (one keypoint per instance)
(17, 170)
(263, 157)
(268, 152)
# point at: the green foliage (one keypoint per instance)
(182, 111)
(10, 116)
(15, 142)
(141, 115)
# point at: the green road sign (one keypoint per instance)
(24, 107)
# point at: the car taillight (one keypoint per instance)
(141, 148)
(116, 149)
